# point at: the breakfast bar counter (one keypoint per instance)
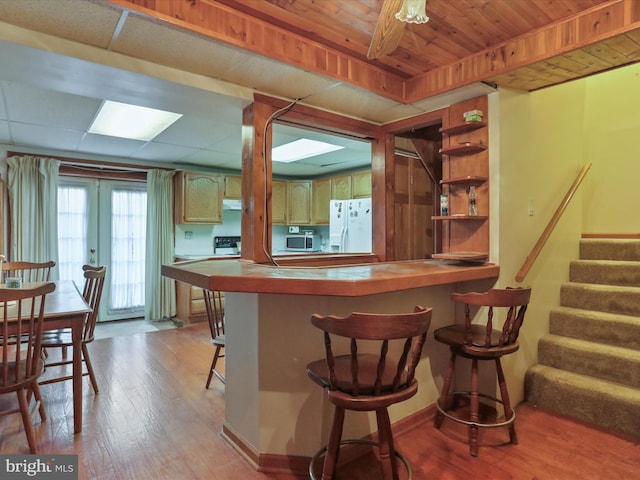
(274, 415)
(348, 280)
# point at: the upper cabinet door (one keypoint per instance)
(299, 202)
(198, 198)
(361, 184)
(341, 187)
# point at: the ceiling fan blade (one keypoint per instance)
(388, 32)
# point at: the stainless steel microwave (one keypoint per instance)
(303, 243)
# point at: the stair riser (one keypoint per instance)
(606, 411)
(610, 250)
(617, 332)
(595, 363)
(622, 273)
(623, 302)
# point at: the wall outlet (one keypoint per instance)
(293, 229)
(188, 235)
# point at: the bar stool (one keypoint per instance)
(367, 381)
(482, 342)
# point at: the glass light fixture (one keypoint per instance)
(413, 11)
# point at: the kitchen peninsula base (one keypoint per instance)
(274, 414)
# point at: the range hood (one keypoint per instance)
(228, 204)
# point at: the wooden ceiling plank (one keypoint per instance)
(587, 28)
(625, 45)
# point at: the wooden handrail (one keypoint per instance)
(537, 248)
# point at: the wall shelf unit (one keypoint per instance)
(465, 163)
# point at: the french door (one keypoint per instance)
(103, 222)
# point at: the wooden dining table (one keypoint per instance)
(65, 307)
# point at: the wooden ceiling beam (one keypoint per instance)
(219, 22)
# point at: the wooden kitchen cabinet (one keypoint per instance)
(320, 198)
(190, 304)
(279, 202)
(198, 198)
(233, 187)
(299, 202)
(361, 184)
(341, 187)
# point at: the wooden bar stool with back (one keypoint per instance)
(481, 342)
(369, 382)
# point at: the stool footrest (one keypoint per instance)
(506, 422)
(320, 452)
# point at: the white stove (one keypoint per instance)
(225, 245)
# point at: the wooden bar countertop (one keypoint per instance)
(351, 280)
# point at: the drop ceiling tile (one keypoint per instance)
(27, 104)
(45, 137)
(117, 147)
(5, 134)
(89, 23)
(214, 159)
(163, 152)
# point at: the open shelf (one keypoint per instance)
(475, 257)
(462, 128)
(463, 149)
(464, 180)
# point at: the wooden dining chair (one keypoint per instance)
(29, 271)
(20, 338)
(215, 317)
(480, 342)
(92, 293)
(368, 381)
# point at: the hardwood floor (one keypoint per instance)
(153, 419)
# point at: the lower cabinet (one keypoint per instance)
(190, 304)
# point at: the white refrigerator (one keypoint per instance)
(350, 226)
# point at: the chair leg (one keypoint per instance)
(333, 448)
(508, 411)
(475, 409)
(445, 399)
(87, 361)
(26, 420)
(386, 447)
(38, 395)
(214, 362)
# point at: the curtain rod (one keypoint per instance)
(97, 163)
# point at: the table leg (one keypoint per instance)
(76, 335)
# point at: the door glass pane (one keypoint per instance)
(128, 240)
(73, 207)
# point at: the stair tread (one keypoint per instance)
(587, 383)
(601, 286)
(594, 347)
(597, 315)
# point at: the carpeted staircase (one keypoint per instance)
(589, 363)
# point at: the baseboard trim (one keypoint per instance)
(299, 465)
(611, 235)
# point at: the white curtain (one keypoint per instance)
(32, 184)
(160, 292)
